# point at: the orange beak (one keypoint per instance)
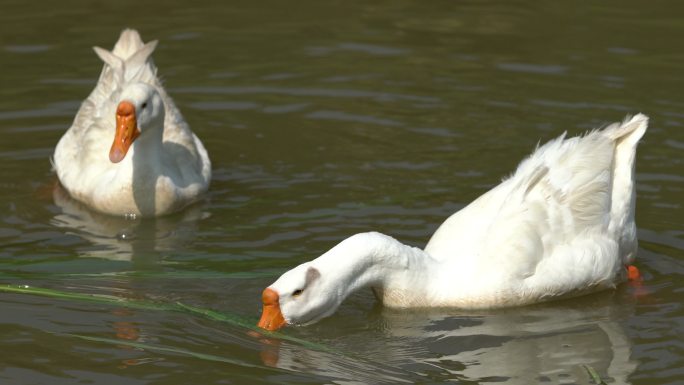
(126, 131)
(271, 316)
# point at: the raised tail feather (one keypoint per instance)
(130, 57)
(623, 196)
(128, 44)
(629, 131)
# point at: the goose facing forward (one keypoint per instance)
(129, 150)
(562, 225)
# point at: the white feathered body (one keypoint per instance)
(154, 178)
(561, 225)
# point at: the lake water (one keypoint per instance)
(324, 119)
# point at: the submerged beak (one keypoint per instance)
(126, 131)
(271, 316)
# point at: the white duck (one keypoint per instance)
(129, 150)
(562, 225)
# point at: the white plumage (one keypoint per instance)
(161, 169)
(562, 225)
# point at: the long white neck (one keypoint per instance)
(146, 166)
(397, 272)
(148, 147)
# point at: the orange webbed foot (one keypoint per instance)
(633, 273)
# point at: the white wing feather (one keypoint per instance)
(565, 215)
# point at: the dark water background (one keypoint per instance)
(324, 119)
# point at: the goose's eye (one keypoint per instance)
(144, 105)
(297, 293)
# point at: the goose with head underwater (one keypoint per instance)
(562, 225)
(129, 150)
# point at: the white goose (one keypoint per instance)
(129, 151)
(562, 225)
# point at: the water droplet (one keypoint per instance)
(125, 236)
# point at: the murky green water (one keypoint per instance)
(324, 119)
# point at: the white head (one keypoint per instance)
(315, 289)
(301, 296)
(140, 110)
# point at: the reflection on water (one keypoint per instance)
(548, 343)
(121, 238)
(340, 368)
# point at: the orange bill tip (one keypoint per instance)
(271, 316)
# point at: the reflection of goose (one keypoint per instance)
(332, 367)
(560, 226)
(119, 238)
(547, 343)
(129, 151)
